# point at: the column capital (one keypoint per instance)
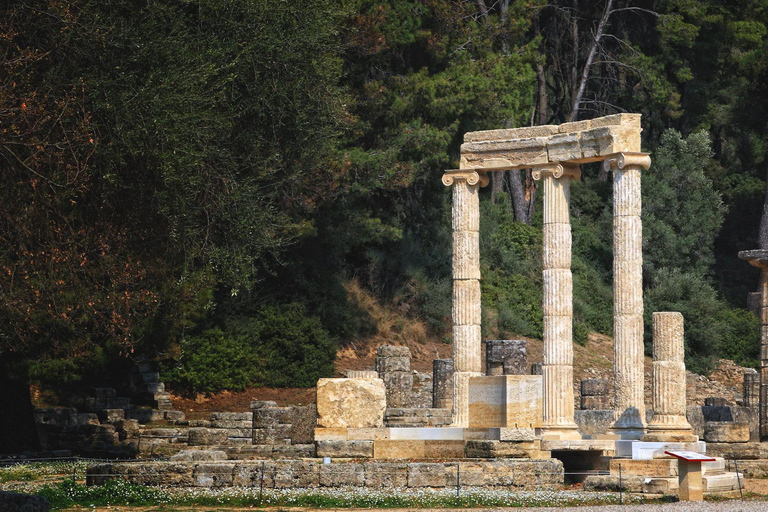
(619, 161)
(557, 171)
(471, 176)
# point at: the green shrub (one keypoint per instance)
(279, 346)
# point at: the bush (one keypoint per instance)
(279, 346)
(691, 294)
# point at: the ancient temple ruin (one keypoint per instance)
(554, 153)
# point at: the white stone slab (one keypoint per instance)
(642, 450)
(426, 434)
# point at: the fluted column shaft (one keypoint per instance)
(557, 300)
(628, 292)
(669, 385)
(466, 313)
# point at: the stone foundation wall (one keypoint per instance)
(280, 425)
(540, 474)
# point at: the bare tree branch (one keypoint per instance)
(588, 64)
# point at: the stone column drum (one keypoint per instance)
(669, 423)
(629, 400)
(557, 302)
(759, 258)
(442, 383)
(506, 357)
(466, 286)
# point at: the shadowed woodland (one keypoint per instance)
(225, 187)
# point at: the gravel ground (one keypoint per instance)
(693, 506)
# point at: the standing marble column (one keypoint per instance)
(466, 286)
(669, 423)
(557, 302)
(629, 400)
(759, 258)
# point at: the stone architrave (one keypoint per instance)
(669, 386)
(629, 372)
(557, 302)
(351, 403)
(466, 312)
(759, 258)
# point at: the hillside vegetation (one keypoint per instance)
(238, 189)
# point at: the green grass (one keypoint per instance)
(34, 471)
(119, 493)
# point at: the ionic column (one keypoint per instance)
(628, 294)
(669, 423)
(759, 258)
(557, 302)
(466, 286)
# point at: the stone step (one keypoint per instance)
(712, 484)
(648, 468)
(723, 483)
(713, 468)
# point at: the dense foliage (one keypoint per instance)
(200, 183)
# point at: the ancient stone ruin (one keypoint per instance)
(504, 425)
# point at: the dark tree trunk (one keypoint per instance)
(542, 87)
(497, 184)
(523, 195)
(18, 432)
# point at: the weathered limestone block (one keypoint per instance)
(388, 475)
(199, 455)
(595, 403)
(398, 386)
(207, 436)
(390, 358)
(341, 475)
(362, 374)
(442, 383)
(261, 404)
(232, 416)
(345, 449)
(490, 449)
(505, 401)
(726, 432)
(594, 422)
(431, 475)
(506, 357)
(517, 434)
(594, 387)
(351, 403)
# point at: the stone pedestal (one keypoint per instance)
(759, 258)
(466, 312)
(594, 394)
(505, 401)
(628, 294)
(669, 387)
(506, 357)
(393, 365)
(557, 302)
(442, 383)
